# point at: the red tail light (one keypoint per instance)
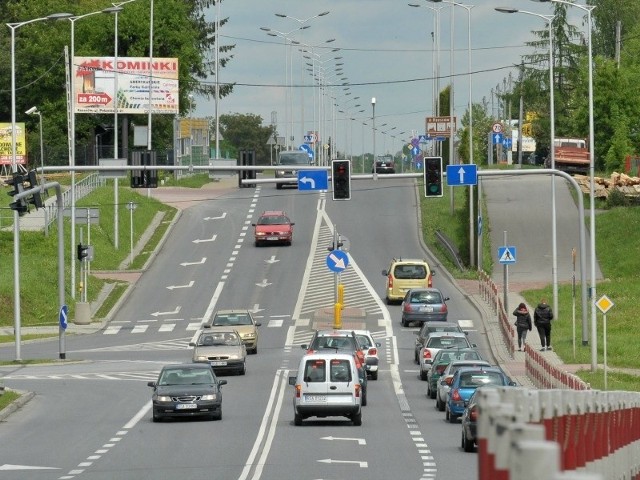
(444, 308)
(298, 390)
(358, 387)
(406, 307)
(440, 369)
(430, 281)
(455, 395)
(426, 353)
(373, 351)
(473, 414)
(389, 281)
(310, 350)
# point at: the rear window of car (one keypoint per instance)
(340, 370)
(444, 342)
(430, 298)
(410, 272)
(364, 341)
(479, 379)
(334, 342)
(445, 328)
(315, 371)
(236, 319)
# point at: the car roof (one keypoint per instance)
(426, 289)
(183, 366)
(234, 311)
(409, 260)
(471, 363)
(362, 332)
(337, 333)
(437, 323)
(491, 369)
(447, 334)
(328, 355)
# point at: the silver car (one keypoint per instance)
(222, 349)
(443, 387)
(370, 348)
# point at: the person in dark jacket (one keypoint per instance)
(542, 317)
(522, 323)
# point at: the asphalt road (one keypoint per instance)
(90, 417)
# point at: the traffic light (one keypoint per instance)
(36, 198)
(83, 252)
(341, 179)
(433, 176)
(17, 181)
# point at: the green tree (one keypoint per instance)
(605, 17)
(481, 128)
(246, 132)
(620, 145)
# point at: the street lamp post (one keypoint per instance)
(554, 268)
(592, 226)
(373, 123)
(35, 111)
(14, 167)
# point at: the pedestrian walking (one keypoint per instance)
(522, 323)
(542, 317)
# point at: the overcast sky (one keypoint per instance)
(387, 51)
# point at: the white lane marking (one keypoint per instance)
(274, 323)
(167, 327)
(112, 329)
(139, 329)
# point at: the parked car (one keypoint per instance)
(241, 321)
(442, 388)
(436, 342)
(344, 341)
(187, 390)
(465, 381)
(424, 304)
(223, 350)
(327, 385)
(404, 274)
(370, 348)
(442, 360)
(428, 328)
(273, 226)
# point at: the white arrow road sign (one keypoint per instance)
(361, 464)
(309, 180)
(7, 467)
(263, 284)
(361, 441)
(339, 262)
(216, 218)
(175, 312)
(173, 287)
(186, 264)
(256, 308)
(212, 239)
(272, 259)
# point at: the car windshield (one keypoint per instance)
(429, 297)
(410, 272)
(218, 339)
(478, 379)
(444, 342)
(293, 158)
(232, 319)
(273, 220)
(200, 376)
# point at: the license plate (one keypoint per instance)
(218, 363)
(272, 238)
(426, 309)
(186, 406)
(315, 398)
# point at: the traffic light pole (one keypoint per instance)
(26, 194)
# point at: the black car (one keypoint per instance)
(187, 390)
(384, 166)
(470, 423)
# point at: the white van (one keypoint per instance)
(327, 385)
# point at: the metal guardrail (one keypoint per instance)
(451, 249)
(83, 188)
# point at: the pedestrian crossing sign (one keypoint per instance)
(507, 255)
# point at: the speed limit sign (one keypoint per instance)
(496, 128)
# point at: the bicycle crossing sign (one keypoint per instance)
(507, 255)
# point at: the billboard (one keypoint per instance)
(6, 147)
(95, 85)
(439, 126)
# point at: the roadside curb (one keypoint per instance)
(17, 404)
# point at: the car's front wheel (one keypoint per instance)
(374, 375)
(467, 445)
(156, 418)
(242, 370)
(423, 375)
(439, 403)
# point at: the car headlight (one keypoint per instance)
(200, 358)
(260, 234)
(211, 396)
(234, 356)
(248, 335)
(164, 398)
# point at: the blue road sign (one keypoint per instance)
(313, 180)
(423, 138)
(64, 313)
(460, 175)
(497, 138)
(415, 151)
(307, 148)
(507, 255)
(507, 143)
(337, 261)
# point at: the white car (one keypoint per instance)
(443, 387)
(327, 385)
(436, 342)
(370, 348)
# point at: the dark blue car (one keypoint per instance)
(465, 381)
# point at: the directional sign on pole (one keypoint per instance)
(337, 261)
(306, 148)
(460, 175)
(64, 314)
(313, 180)
(497, 138)
(507, 255)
